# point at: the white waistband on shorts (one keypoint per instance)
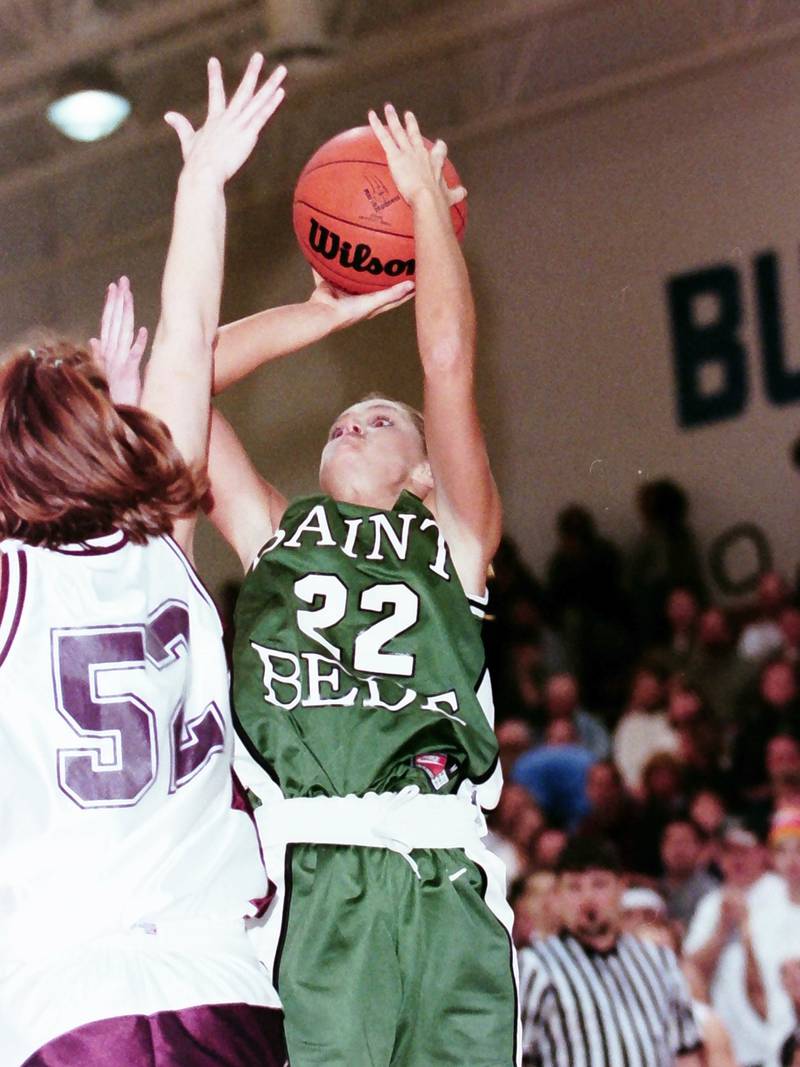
(399, 822)
(34, 934)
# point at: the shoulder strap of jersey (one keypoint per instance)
(13, 582)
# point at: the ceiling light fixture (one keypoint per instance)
(89, 104)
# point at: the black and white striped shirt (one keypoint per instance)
(627, 1007)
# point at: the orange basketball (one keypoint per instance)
(353, 226)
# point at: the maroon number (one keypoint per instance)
(194, 743)
(118, 764)
(118, 761)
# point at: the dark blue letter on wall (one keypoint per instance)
(782, 385)
(698, 344)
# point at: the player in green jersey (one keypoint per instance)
(360, 685)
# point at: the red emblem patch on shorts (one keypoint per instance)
(437, 767)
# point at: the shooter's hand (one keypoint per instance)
(414, 167)
(346, 309)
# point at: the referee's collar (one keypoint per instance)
(567, 935)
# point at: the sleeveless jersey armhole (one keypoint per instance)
(478, 604)
(13, 583)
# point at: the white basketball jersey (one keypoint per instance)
(117, 801)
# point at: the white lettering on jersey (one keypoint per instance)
(272, 677)
(438, 565)
(384, 528)
(317, 522)
(353, 526)
(316, 679)
(374, 700)
(449, 700)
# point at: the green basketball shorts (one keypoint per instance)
(380, 966)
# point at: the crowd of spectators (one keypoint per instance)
(633, 710)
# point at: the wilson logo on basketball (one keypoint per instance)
(329, 244)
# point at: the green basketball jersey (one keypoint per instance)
(358, 661)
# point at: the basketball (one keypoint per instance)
(353, 226)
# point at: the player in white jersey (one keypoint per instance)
(129, 857)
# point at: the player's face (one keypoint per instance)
(590, 905)
(373, 452)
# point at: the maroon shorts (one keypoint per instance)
(215, 1035)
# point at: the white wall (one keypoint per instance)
(583, 221)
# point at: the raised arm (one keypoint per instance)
(244, 507)
(466, 501)
(178, 377)
(243, 346)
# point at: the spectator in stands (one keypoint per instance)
(776, 929)
(555, 775)
(663, 799)
(514, 826)
(682, 613)
(613, 813)
(643, 728)
(527, 675)
(561, 703)
(776, 711)
(782, 789)
(719, 943)
(550, 843)
(664, 558)
(789, 622)
(699, 738)
(511, 581)
(514, 736)
(790, 977)
(612, 984)
(641, 906)
(684, 881)
(588, 605)
(716, 668)
(709, 814)
(534, 903)
(763, 637)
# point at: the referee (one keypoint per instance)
(592, 996)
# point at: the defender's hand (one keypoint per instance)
(227, 137)
(116, 350)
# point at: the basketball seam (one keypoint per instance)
(350, 222)
(373, 162)
(334, 162)
(349, 278)
(370, 229)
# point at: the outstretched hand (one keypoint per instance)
(227, 137)
(413, 165)
(350, 308)
(117, 352)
